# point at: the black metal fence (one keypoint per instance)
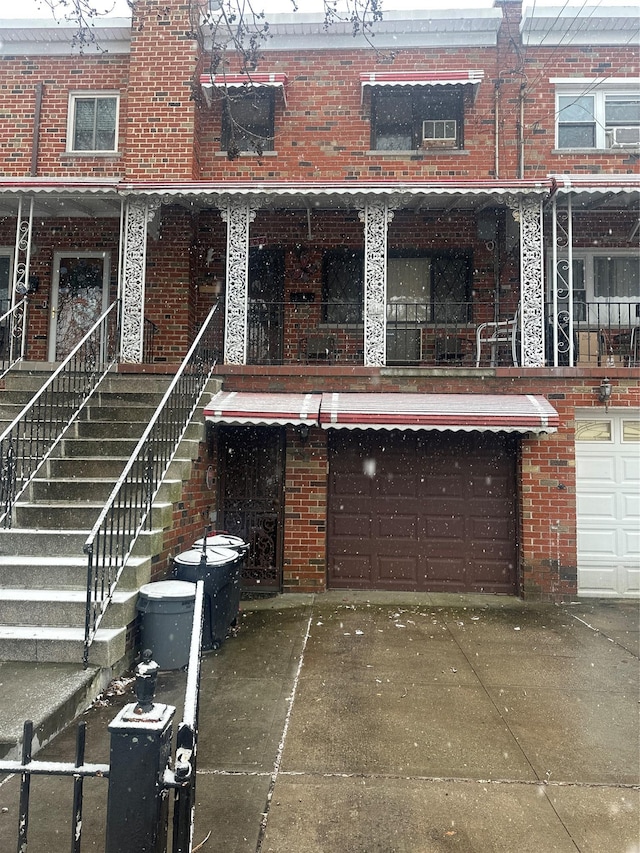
(139, 773)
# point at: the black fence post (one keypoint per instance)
(138, 801)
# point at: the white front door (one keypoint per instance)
(79, 296)
(608, 502)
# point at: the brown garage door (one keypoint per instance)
(422, 511)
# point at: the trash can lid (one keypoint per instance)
(215, 557)
(182, 590)
(226, 540)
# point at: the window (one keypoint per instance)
(93, 122)
(248, 120)
(592, 116)
(342, 287)
(606, 287)
(421, 117)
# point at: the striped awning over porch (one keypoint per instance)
(520, 413)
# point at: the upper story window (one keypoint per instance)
(407, 119)
(248, 120)
(592, 116)
(412, 110)
(93, 121)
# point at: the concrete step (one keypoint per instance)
(51, 695)
(65, 572)
(69, 489)
(134, 412)
(118, 447)
(61, 607)
(64, 515)
(44, 644)
(42, 543)
(84, 467)
(106, 430)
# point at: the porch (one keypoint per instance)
(438, 334)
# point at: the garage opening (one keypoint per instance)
(423, 511)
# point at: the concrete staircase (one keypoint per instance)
(42, 565)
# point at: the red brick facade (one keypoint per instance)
(169, 141)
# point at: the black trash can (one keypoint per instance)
(219, 568)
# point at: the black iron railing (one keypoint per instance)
(149, 341)
(437, 333)
(183, 777)
(129, 780)
(603, 333)
(29, 440)
(128, 508)
(12, 339)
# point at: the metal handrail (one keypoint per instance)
(128, 509)
(183, 777)
(30, 439)
(11, 321)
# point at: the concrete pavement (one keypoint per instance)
(373, 723)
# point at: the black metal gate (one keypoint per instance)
(250, 500)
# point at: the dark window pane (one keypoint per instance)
(617, 277)
(342, 277)
(622, 111)
(577, 136)
(248, 120)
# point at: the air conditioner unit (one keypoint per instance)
(624, 137)
(439, 133)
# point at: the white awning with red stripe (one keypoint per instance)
(250, 81)
(522, 413)
(458, 412)
(242, 407)
(421, 78)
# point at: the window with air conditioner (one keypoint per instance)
(409, 118)
(594, 115)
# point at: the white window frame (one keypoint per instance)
(600, 88)
(71, 121)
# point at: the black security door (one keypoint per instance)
(250, 500)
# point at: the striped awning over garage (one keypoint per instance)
(523, 413)
(458, 412)
(241, 407)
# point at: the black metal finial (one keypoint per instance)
(146, 678)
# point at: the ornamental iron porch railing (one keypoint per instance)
(442, 334)
(12, 335)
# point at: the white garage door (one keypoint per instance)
(608, 503)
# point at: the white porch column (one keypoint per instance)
(376, 217)
(238, 214)
(138, 213)
(532, 330)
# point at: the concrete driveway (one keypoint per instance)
(416, 724)
(365, 723)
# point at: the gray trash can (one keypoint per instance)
(219, 568)
(166, 608)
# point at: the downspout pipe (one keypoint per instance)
(36, 129)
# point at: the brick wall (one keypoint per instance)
(546, 464)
